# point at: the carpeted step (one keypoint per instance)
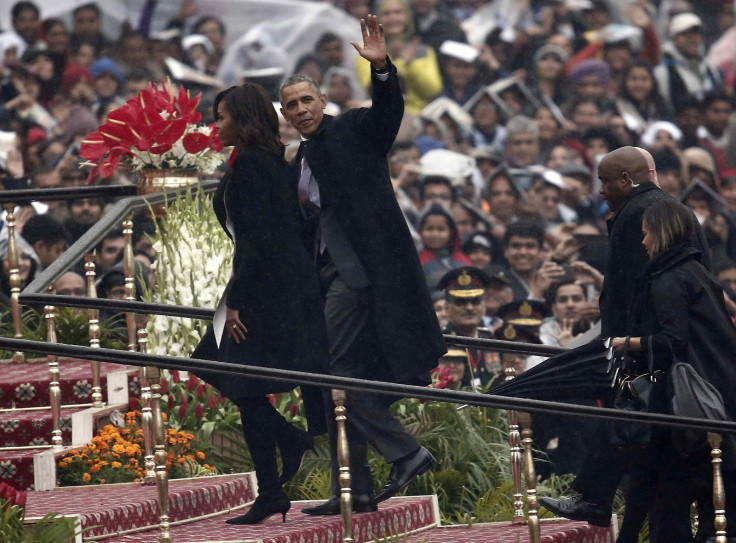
(114, 509)
(32, 428)
(16, 467)
(26, 384)
(551, 531)
(396, 516)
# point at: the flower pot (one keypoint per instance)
(151, 180)
(154, 180)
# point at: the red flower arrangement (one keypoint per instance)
(157, 129)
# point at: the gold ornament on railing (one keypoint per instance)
(159, 433)
(129, 271)
(93, 315)
(54, 388)
(530, 476)
(719, 493)
(343, 460)
(516, 456)
(14, 278)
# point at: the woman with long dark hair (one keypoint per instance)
(270, 314)
(679, 314)
(640, 100)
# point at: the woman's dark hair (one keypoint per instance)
(50, 23)
(437, 209)
(254, 115)
(654, 97)
(669, 223)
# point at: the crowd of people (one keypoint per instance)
(506, 131)
(494, 164)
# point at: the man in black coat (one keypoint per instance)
(628, 190)
(380, 319)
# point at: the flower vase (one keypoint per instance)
(152, 180)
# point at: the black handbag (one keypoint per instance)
(643, 393)
(692, 396)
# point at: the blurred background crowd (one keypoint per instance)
(510, 105)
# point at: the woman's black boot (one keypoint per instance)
(292, 454)
(262, 508)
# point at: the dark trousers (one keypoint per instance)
(264, 428)
(356, 352)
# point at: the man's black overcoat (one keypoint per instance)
(627, 257)
(274, 284)
(347, 156)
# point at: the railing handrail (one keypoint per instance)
(150, 308)
(26, 196)
(97, 233)
(392, 389)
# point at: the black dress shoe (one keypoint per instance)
(262, 508)
(292, 455)
(404, 471)
(362, 503)
(578, 508)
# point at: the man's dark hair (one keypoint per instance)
(99, 201)
(435, 180)
(551, 295)
(142, 228)
(688, 103)
(20, 7)
(112, 234)
(716, 96)
(89, 6)
(603, 133)
(327, 37)
(524, 229)
(666, 159)
(401, 145)
(43, 228)
(296, 79)
(209, 19)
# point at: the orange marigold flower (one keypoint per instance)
(200, 455)
(95, 468)
(86, 477)
(119, 448)
(117, 465)
(102, 481)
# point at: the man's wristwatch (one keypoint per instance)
(382, 71)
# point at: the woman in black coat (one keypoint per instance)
(679, 313)
(270, 314)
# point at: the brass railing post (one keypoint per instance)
(146, 412)
(14, 278)
(343, 460)
(159, 432)
(530, 476)
(129, 271)
(719, 492)
(54, 388)
(94, 328)
(516, 456)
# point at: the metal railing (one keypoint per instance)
(518, 409)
